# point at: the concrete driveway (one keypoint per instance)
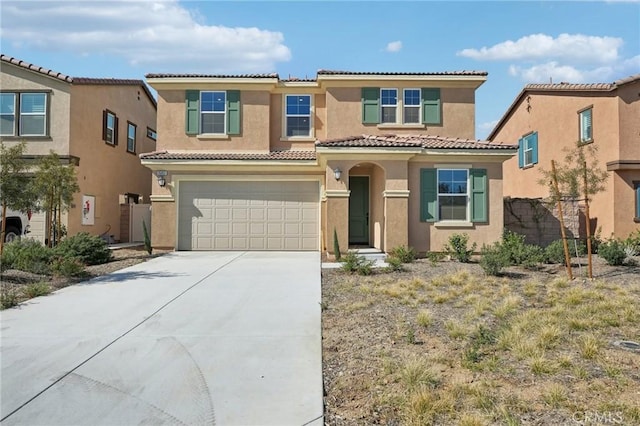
(226, 338)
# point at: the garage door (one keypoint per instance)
(248, 216)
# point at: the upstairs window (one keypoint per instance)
(109, 127)
(131, 137)
(528, 150)
(151, 134)
(586, 125)
(411, 101)
(389, 98)
(7, 114)
(213, 110)
(298, 115)
(417, 106)
(23, 114)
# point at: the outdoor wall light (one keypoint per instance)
(161, 177)
(337, 173)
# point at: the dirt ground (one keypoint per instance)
(407, 348)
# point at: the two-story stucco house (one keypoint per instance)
(547, 118)
(99, 125)
(255, 162)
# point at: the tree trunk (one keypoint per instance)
(588, 222)
(567, 256)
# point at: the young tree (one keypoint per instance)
(579, 178)
(55, 185)
(14, 183)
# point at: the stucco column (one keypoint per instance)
(396, 204)
(336, 197)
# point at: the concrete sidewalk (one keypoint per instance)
(190, 338)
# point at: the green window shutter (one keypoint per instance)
(479, 202)
(533, 143)
(521, 152)
(370, 105)
(233, 112)
(192, 118)
(431, 106)
(428, 195)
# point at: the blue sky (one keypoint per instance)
(517, 42)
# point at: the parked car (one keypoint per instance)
(17, 224)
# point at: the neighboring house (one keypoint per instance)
(547, 118)
(255, 162)
(99, 125)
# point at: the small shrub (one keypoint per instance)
(27, 255)
(8, 296)
(633, 241)
(37, 289)
(554, 253)
(352, 262)
(493, 259)
(435, 257)
(336, 245)
(613, 252)
(513, 247)
(457, 247)
(67, 267)
(147, 239)
(365, 267)
(532, 256)
(424, 318)
(395, 264)
(404, 254)
(90, 249)
(410, 337)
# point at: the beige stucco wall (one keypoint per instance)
(344, 113)
(255, 124)
(13, 78)
(107, 171)
(429, 236)
(616, 127)
(624, 205)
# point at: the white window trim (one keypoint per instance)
(112, 128)
(224, 133)
(311, 135)
(581, 115)
(13, 131)
(396, 106)
(454, 222)
(418, 107)
(130, 126)
(526, 147)
(33, 114)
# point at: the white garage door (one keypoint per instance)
(248, 216)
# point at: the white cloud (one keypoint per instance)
(553, 71)
(161, 36)
(394, 46)
(568, 47)
(487, 126)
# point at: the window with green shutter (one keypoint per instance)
(528, 150)
(213, 112)
(479, 203)
(456, 195)
(428, 195)
(370, 105)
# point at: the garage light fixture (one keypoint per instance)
(161, 177)
(337, 173)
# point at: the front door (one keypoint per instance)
(359, 210)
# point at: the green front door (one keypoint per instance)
(359, 210)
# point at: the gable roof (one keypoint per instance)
(412, 141)
(79, 80)
(561, 88)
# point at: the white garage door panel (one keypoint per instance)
(248, 216)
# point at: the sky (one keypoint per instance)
(516, 42)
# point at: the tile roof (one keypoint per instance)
(561, 87)
(267, 156)
(31, 67)
(269, 75)
(464, 72)
(79, 80)
(411, 141)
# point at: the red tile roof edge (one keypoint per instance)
(409, 141)
(231, 156)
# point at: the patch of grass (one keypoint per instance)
(588, 346)
(424, 318)
(548, 336)
(508, 306)
(540, 365)
(555, 396)
(456, 329)
(37, 289)
(415, 373)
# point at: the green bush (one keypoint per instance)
(493, 259)
(457, 247)
(395, 264)
(519, 253)
(27, 255)
(90, 249)
(633, 241)
(403, 253)
(532, 256)
(554, 252)
(8, 296)
(352, 262)
(613, 252)
(67, 266)
(435, 257)
(37, 289)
